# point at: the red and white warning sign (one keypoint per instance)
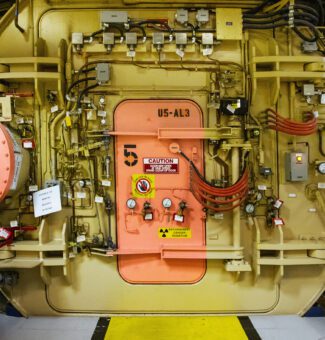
(155, 165)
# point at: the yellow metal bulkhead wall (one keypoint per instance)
(89, 282)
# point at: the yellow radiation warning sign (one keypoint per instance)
(174, 232)
(143, 186)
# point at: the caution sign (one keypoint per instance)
(174, 232)
(143, 186)
(156, 165)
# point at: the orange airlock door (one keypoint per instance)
(148, 172)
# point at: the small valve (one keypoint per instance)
(147, 212)
(179, 216)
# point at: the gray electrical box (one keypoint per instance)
(296, 166)
(202, 16)
(158, 38)
(108, 38)
(131, 39)
(113, 17)
(103, 74)
(207, 39)
(181, 38)
(181, 16)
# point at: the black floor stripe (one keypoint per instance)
(249, 328)
(101, 328)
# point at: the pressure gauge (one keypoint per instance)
(249, 208)
(321, 168)
(167, 203)
(131, 203)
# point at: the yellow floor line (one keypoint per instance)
(175, 328)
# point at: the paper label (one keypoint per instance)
(180, 53)
(292, 195)
(321, 185)
(262, 187)
(178, 218)
(312, 210)
(231, 108)
(47, 201)
(130, 54)
(106, 183)
(81, 194)
(207, 51)
(81, 238)
(4, 233)
(13, 224)
(99, 199)
(101, 113)
(28, 145)
(54, 109)
(218, 216)
(174, 232)
(32, 188)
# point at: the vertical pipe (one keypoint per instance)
(236, 211)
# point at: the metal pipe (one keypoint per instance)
(16, 17)
(236, 211)
(52, 143)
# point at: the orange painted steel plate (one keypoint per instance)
(148, 171)
(7, 162)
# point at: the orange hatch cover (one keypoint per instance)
(155, 208)
(7, 162)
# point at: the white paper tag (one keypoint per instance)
(101, 113)
(28, 144)
(99, 199)
(292, 195)
(13, 224)
(130, 54)
(81, 194)
(231, 108)
(4, 233)
(312, 210)
(81, 238)
(278, 204)
(148, 216)
(316, 114)
(20, 120)
(47, 201)
(278, 222)
(180, 53)
(106, 183)
(54, 109)
(32, 188)
(321, 185)
(262, 187)
(218, 216)
(178, 218)
(207, 51)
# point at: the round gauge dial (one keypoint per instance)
(131, 203)
(321, 168)
(167, 203)
(249, 208)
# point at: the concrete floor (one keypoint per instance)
(288, 327)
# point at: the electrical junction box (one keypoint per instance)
(149, 172)
(102, 72)
(229, 24)
(296, 166)
(113, 17)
